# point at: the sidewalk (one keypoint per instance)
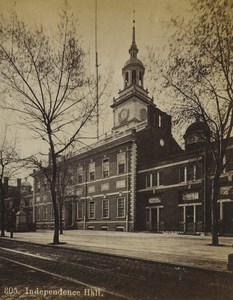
(182, 250)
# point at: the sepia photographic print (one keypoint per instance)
(116, 149)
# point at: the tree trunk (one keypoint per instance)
(2, 200)
(61, 224)
(56, 216)
(215, 198)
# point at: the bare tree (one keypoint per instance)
(44, 74)
(199, 71)
(8, 167)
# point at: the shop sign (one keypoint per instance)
(155, 200)
(190, 196)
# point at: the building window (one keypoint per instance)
(160, 178)
(70, 177)
(183, 174)
(105, 208)
(121, 163)
(148, 180)
(92, 170)
(38, 214)
(42, 213)
(181, 214)
(45, 212)
(192, 172)
(80, 210)
(104, 228)
(154, 179)
(121, 207)
(92, 210)
(105, 167)
(80, 174)
(119, 228)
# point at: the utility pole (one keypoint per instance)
(97, 72)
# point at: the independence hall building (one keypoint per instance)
(138, 178)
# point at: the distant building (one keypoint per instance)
(18, 202)
(138, 178)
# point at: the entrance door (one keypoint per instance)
(154, 220)
(190, 219)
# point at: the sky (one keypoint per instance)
(114, 38)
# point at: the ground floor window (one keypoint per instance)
(190, 217)
(121, 207)
(45, 212)
(80, 210)
(92, 210)
(104, 228)
(38, 214)
(154, 218)
(105, 208)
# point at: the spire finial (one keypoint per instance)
(133, 40)
(133, 48)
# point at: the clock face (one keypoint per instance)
(143, 114)
(123, 115)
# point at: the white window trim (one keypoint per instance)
(121, 153)
(185, 174)
(121, 217)
(91, 170)
(103, 208)
(81, 203)
(45, 212)
(151, 180)
(105, 159)
(90, 210)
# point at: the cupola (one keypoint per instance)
(195, 135)
(133, 70)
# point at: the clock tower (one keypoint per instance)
(131, 106)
